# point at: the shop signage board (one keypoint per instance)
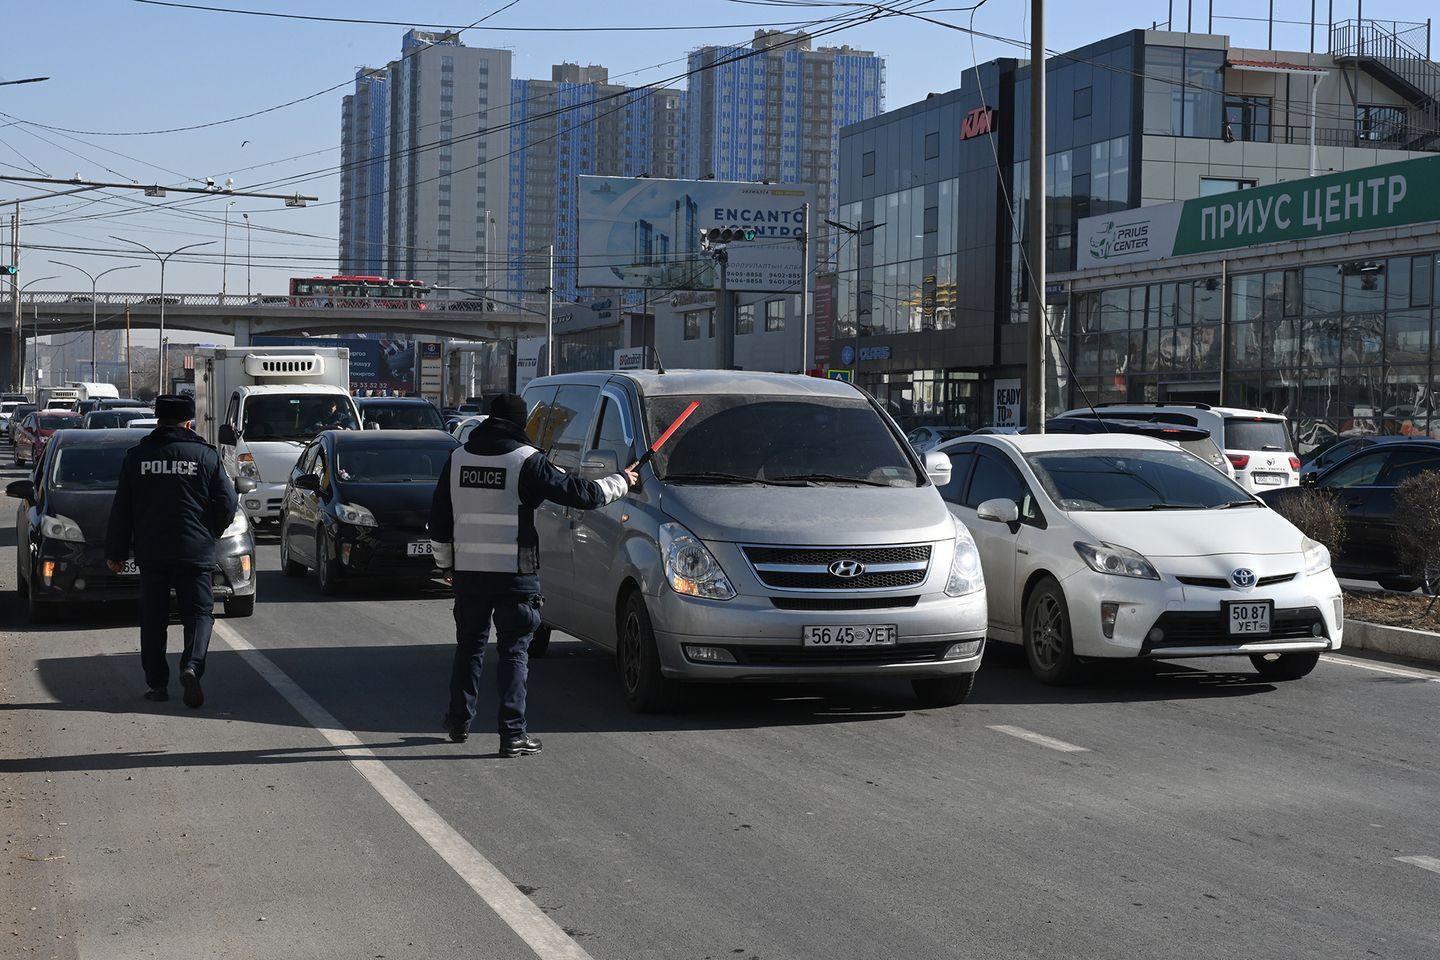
(1390, 195)
(1005, 411)
(528, 353)
(630, 358)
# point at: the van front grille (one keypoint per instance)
(840, 568)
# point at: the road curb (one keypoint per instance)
(1396, 641)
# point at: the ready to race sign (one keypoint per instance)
(1389, 195)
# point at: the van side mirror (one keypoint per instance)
(937, 468)
(599, 463)
(245, 485)
(999, 510)
(308, 481)
(226, 435)
(21, 490)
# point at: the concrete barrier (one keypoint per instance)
(1395, 641)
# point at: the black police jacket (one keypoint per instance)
(173, 501)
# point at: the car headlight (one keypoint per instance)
(239, 525)
(356, 515)
(1316, 556)
(246, 464)
(1116, 561)
(61, 528)
(965, 573)
(690, 568)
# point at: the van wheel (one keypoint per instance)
(240, 606)
(1048, 645)
(646, 689)
(288, 566)
(540, 641)
(1284, 666)
(943, 691)
(327, 566)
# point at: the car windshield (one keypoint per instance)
(58, 421)
(296, 416)
(759, 438)
(391, 463)
(403, 416)
(115, 418)
(1249, 433)
(1132, 480)
(87, 468)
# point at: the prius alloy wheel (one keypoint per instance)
(1048, 645)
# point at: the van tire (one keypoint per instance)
(943, 691)
(1284, 666)
(645, 689)
(1049, 645)
(540, 642)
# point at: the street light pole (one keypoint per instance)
(247, 254)
(94, 308)
(164, 259)
(550, 316)
(1039, 315)
(225, 255)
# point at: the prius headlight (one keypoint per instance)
(239, 525)
(56, 527)
(965, 573)
(1316, 556)
(690, 568)
(356, 515)
(1116, 561)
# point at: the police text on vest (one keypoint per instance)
(484, 478)
(179, 468)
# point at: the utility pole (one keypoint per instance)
(164, 259)
(805, 332)
(1035, 360)
(549, 315)
(94, 308)
(129, 366)
(18, 366)
(225, 255)
(247, 254)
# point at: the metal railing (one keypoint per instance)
(1382, 39)
(268, 301)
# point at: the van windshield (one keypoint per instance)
(296, 416)
(754, 438)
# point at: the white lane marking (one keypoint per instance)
(1424, 863)
(1363, 665)
(1038, 738)
(528, 921)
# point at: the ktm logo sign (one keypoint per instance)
(977, 122)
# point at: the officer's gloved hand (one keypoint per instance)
(632, 475)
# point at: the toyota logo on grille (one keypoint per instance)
(847, 568)
(1242, 577)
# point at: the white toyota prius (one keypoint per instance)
(1110, 546)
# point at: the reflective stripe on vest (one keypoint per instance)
(485, 496)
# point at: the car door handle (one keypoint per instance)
(1022, 550)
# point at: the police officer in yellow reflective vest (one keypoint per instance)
(172, 502)
(482, 526)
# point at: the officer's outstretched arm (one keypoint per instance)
(540, 480)
(442, 522)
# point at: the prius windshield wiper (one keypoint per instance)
(1168, 506)
(828, 478)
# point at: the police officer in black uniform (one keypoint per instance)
(173, 501)
(482, 526)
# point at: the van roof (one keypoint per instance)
(652, 383)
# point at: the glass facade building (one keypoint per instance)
(365, 121)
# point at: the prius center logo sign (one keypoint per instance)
(1134, 235)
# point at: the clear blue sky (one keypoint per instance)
(118, 65)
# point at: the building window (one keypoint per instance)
(1184, 91)
(774, 315)
(932, 145)
(1084, 102)
(932, 219)
(1210, 186)
(1377, 124)
(692, 325)
(710, 324)
(867, 163)
(744, 319)
(1247, 119)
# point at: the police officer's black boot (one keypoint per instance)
(190, 680)
(157, 694)
(457, 733)
(519, 745)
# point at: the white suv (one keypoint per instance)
(1256, 442)
(1114, 545)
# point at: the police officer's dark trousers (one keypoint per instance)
(509, 600)
(196, 604)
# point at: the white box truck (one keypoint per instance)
(260, 405)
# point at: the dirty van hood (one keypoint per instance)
(274, 458)
(820, 516)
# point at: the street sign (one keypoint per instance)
(847, 375)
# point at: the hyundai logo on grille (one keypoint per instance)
(847, 568)
(1242, 577)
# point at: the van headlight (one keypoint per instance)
(356, 515)
(965, 573)
(239, 525)
(247, 467)
(1116, 561)
(1315, 555)
(690, 568)
(57, 527)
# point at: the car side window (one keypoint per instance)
(1404, 464)
(1362, 471)
(961, 461)
(537, 425)
(232, 409)
(570, 421)
(992, 479)
(322, 467)
(306, 462)
(611, 432)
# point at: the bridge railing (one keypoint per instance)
(269, 301)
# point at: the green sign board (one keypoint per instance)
(1390, 195)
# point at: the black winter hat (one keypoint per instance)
(174, 407)
(509, 406)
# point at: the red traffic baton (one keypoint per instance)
(669, 431)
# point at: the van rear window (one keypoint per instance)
(1249, 433)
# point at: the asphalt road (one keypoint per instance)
(1175, 810)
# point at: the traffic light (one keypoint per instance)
(728, 234)
(8, 271)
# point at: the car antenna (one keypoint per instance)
(659, 364)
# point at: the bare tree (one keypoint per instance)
(1318, 515)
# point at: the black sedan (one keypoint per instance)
(1365, 485)
(358, 505)
(399, 413)
(60, 530)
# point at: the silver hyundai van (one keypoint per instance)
(786, 531)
